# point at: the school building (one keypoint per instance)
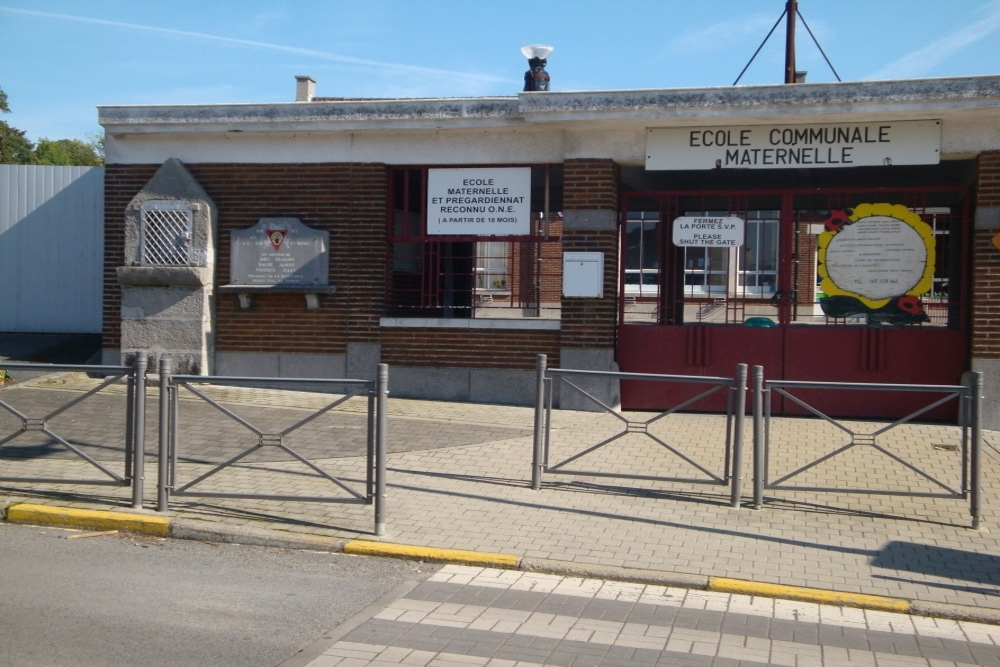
(827, 232)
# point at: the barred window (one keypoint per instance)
(474, 276)
(165, 233)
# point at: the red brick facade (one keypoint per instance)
(592, 185)
(986, 266)
(350, 201)
(468, 348)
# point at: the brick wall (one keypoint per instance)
(592, 185)
(348, 200)
(986, 266)
(121, 184)
(468, 348)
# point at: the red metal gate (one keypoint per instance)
(700, 310)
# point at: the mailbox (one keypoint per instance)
(583, 274)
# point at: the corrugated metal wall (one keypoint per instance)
(51, 249)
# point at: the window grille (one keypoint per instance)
(165, 233)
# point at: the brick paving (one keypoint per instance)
(459, 477)
(476, 616)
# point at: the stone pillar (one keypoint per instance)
(590, 224)
(169, 273)
(985, 315)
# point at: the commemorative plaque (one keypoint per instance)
(280, 252)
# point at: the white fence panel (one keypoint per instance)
(51, 249)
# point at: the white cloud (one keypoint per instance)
(467, 80)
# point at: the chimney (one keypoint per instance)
(305, 88)
(800, 76)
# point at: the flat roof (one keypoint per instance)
(924, 98)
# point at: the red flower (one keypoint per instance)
(836, 220)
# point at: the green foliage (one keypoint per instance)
(67, 152)
(16, 148)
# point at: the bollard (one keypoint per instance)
(759, 467)
(381, 447)
(536, 459)
(975, 463)
(741, 409)
(137, 428)
(162, 498)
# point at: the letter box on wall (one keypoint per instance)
(583, 274)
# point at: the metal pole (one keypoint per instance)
(381, 448)
(138, 431)
(536, 459)
(758, 437)
(737, 451)
(791, 10)
(164, 455)
(130, 426)
(976, 424)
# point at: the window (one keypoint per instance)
(758, 258)
(642, 254)
(468, 275)
(492, 265)
(749, 270)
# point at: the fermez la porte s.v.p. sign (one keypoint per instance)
(709, 232)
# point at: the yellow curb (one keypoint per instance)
(817, 595)
(457, 556)
(64, 517)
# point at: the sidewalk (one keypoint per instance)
(459, 479)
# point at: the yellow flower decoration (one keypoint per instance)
(873, 258)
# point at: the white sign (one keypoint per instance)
(705, 232)
(794, 146)
(489, 201)
(878, 257)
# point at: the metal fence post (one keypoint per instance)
(137, 434)
(381, 448)
(162, 497)
(536, 459)
(740, 404)
(758, 437)
(976, 425)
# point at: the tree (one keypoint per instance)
(16, 148)
(67, 152)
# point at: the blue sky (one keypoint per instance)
(60, 59)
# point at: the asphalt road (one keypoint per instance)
(132, 600)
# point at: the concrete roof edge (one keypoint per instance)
(947, 92)
(928, 95)
(307, 115)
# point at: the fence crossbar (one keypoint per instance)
(374, 449)
(547, 380)
(968, 395)
(132, 459)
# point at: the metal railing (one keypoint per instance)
(59, 436)
(732, 455)
(970, 395)
(171, 413)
